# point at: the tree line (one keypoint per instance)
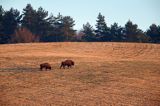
(38, 26)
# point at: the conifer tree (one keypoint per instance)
(102, 31)
(89, 34)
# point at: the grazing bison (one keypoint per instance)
(45, 65)
(68, 63)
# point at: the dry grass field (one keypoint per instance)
(105, 74)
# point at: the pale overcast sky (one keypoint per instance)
(141, 12)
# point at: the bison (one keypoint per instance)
(45, 65)
(68, 63)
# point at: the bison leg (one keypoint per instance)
(41, 68)
(47, 68)
(61, 66)
(68, 66)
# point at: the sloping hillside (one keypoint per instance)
(104, 74)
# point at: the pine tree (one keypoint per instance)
(89, 34)
(1, 20)
(117, 32)
(10, 22)
(36, 21)
(102, 31)
(131, 31)
(2, 36)
(29, 18)
(55, 32)
(42, 26)
(134, 34)
(67, 27)
(154, 33)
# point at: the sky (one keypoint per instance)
(141, 12)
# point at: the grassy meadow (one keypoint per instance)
(105, 74)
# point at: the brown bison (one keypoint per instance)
(45, 65)
(68, 63)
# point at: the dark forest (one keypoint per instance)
(39, 26)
